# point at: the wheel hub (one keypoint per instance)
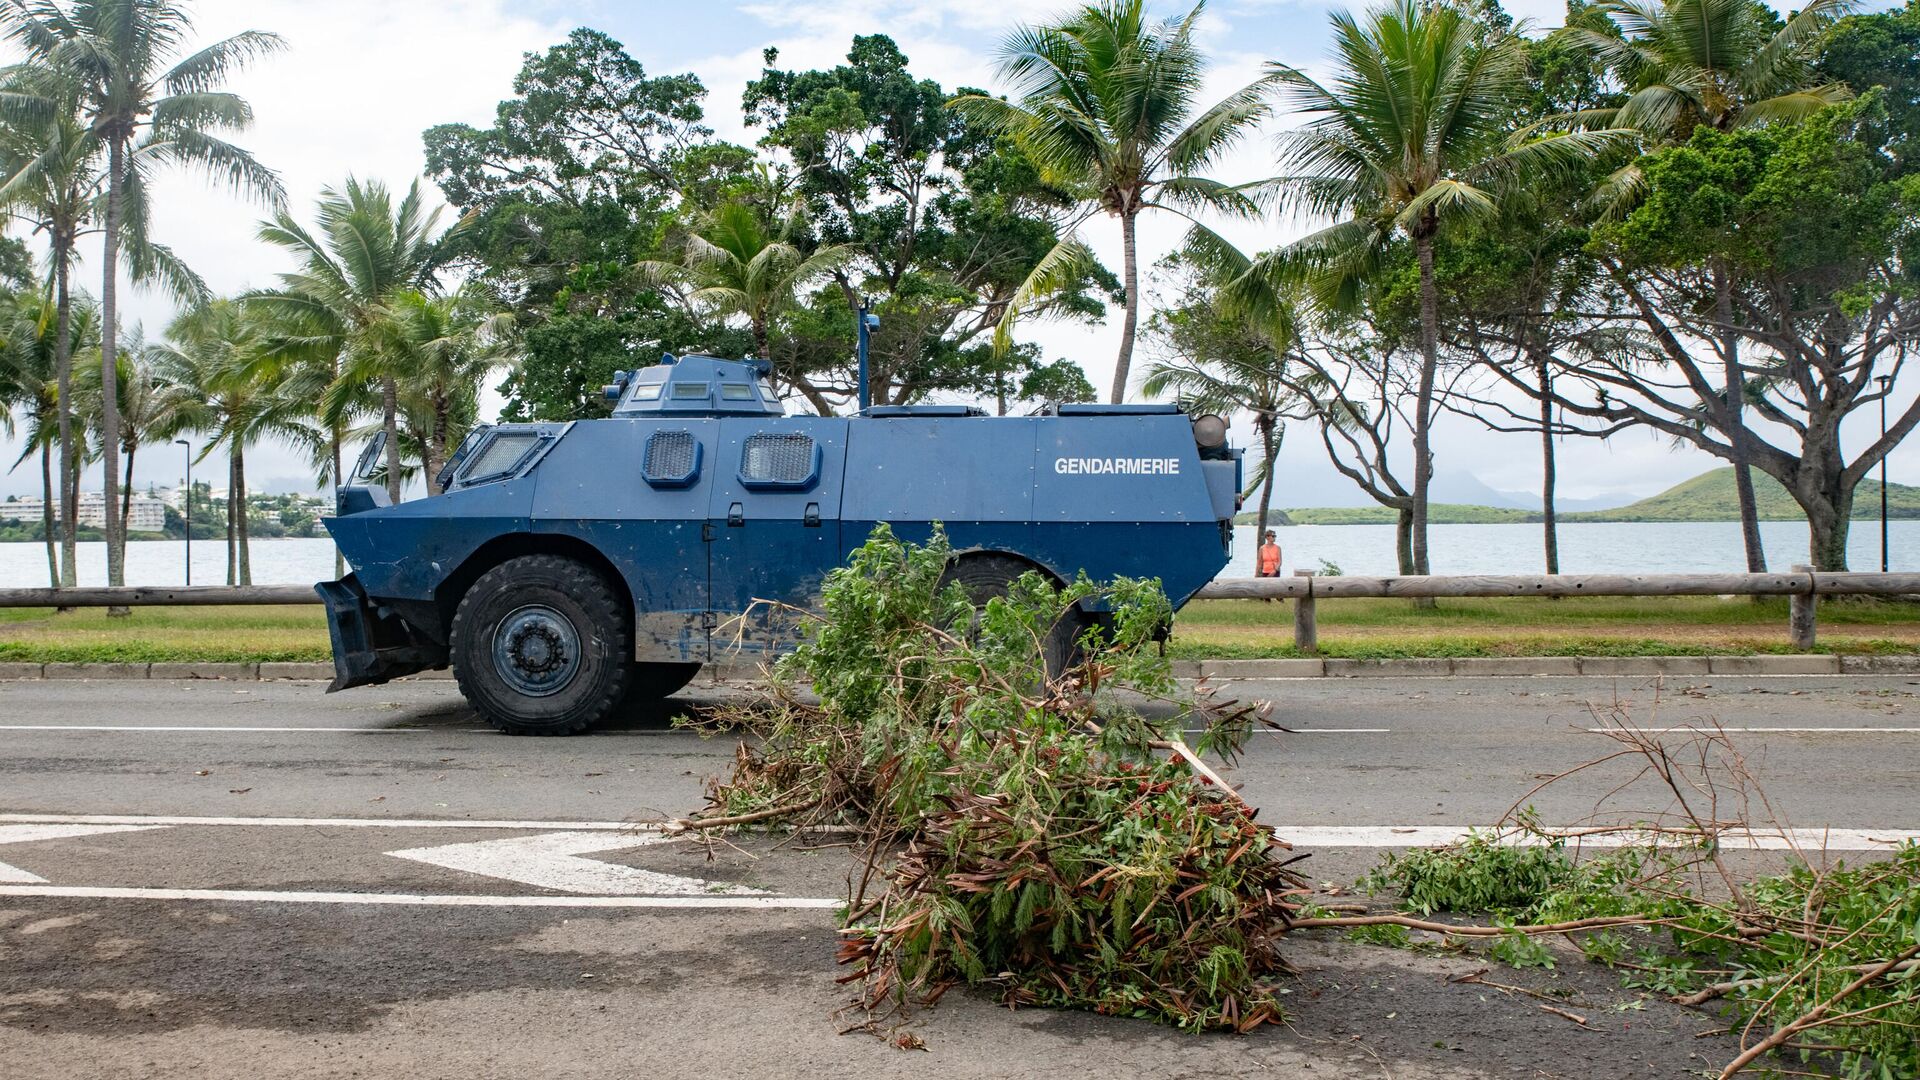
(536, 650)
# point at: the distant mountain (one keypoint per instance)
(1707, 497)
(1711, 497)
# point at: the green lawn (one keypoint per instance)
(1535, 626)
(1519, 626)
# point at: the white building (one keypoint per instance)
(144, 513)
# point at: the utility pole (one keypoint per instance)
(1885, 382)
(187, 506)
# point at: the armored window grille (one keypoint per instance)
(501, 456)
(779, 461)
(672, 459)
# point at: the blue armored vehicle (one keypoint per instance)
(567, 567)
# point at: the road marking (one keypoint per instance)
(1809, 839)
(551, 861)
(1765, 730)
(1306, 731)
(335, 823)
(26, 834)
(269, 896)
(224, 727)
(1837, 839)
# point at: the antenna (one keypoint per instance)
(867, 324)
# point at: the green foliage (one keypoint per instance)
(1790, 941)
(1050, 850)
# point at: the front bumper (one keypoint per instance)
(371, 644)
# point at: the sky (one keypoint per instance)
(361, 79)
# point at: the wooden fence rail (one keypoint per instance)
(1802, 584)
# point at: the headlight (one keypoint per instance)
(1209, 432)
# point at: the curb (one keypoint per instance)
(1278, 668)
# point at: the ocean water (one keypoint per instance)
(1585, 548)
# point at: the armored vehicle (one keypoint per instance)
(564, 568)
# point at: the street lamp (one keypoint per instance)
(187, 506)
(1885, 381)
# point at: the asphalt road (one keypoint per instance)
(213, 879)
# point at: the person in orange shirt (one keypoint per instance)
(1269, 562)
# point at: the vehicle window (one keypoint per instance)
(736, 392)
(778, 459)
(690, 390)
(648, 391)
(500, 455)
(672, 458)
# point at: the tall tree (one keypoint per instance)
(1105, 105)
(1721, 64)
(744, 259)
(946, 218)
(29, 382)
(53, 176)
(1414, 129)
(214, 353)
(365, 250)
(152, 108)
(1221, 359)
(447, 345)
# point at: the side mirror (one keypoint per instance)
(370, 459)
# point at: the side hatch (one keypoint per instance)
(775, 522)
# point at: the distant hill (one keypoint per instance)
(1710, 497)
(1707, 497)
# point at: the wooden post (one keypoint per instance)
(1306, 629)
(1802, 612)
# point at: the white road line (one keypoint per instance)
(1807, 839)
(552, 861)
(1364, 836)
(27, 834)
(1307, 731)
(332, 823)
(1765, 730)
(224, 727)
(271, 896)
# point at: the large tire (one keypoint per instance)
(653, 682)
(541, 645)
(987, 575)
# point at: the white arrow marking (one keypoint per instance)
(550, 861)
(25, 834)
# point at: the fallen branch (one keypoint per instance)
(1575, 1017)
(684, 824)
(1813, 1017)
(1701, 997)
(1411, 923)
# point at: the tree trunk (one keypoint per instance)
(1269, 449)
(1829, 518)
(1549, 528)
(1123, 364)
(46, 512)
(126, 488)
(233, 560)
(1737, 423)
(238, 498)
(437, 445)
(1403, 542)
(1423, 403)
(63, 366)
(109, 370)
(390, 417)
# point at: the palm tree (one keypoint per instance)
(29, 382)
(1413, 129)
(234, 399)
(365, 251)
(1105, 106)
(735, 262)
(152, 408)
(447, 345)
(53, 175)
(152, 108)
(1722, 64)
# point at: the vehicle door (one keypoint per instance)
(775, 524)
